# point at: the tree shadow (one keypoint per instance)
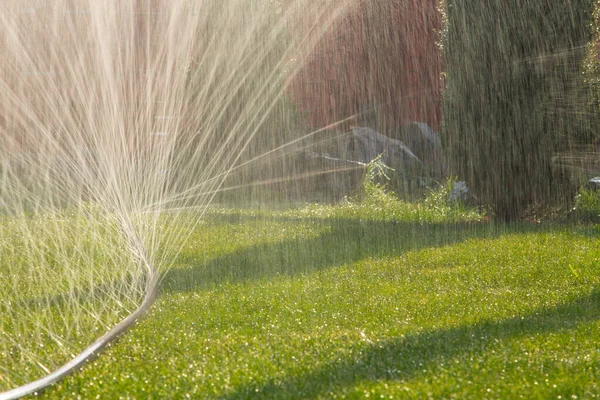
(344, 241)
(405, 358)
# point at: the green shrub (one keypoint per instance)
(513, 97)
(587, 204)
(592, 66)
(376, 202)
(373, 187)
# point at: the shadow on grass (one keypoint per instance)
(345, 241)
(103, 292)
(405, 358)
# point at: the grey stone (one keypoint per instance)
(347, 155)
(369, 144)
(427, 146)
(362, 145)
(594, 183)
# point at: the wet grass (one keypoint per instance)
(291, 305)
(65, 279)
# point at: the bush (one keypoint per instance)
(512, 98)
(587, 204)
(592, 63)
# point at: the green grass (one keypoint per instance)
(330, 304)
(65, 279)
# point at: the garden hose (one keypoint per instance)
(91, 351)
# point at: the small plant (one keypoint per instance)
(372, 190)
(440, 202)
(587, 204)
(440, 196)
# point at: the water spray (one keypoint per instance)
(119, 122)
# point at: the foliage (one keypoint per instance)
(592, 62)
(376, 202)
(587, 204)
(372, 188)
(592, 66)
(514, 97)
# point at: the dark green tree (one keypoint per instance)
(592, 62)
(513, 91)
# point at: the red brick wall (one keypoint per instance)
(382, 53)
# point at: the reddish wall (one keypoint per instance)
(380, 54)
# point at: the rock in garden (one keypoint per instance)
(594, 183)
(427, 146)
(367, 144)
(346, 156)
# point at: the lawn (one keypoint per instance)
(331, 303)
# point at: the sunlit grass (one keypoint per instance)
(291, 306)
(67, 277)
